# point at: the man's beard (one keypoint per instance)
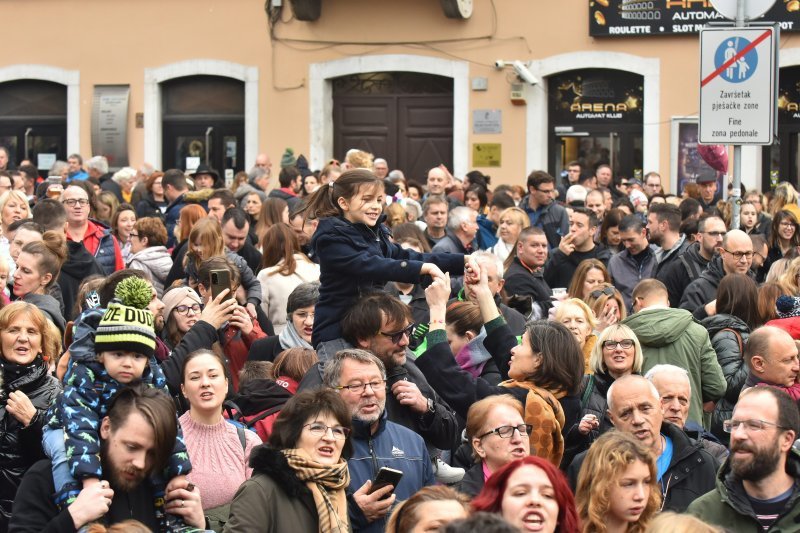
(763, 463)
(370, 418)
(114, 475)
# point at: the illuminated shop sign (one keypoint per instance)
(595, 96)
(670, 17)
(789, 96)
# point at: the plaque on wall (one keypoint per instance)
(486, 155)
(487, 121)
(110, 123)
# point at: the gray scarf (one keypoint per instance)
(289, 338)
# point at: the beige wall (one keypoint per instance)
(114, 42)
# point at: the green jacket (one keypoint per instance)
(673, 336)
(727, 506)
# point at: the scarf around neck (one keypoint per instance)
(289, 338)
(327, 485)
(474, 355)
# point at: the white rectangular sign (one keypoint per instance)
(737, 85)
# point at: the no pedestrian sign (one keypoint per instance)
(737, 85)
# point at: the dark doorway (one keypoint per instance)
(33, 121)
(403, 117)
(203, 121)
(781, 160)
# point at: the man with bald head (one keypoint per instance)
(771, 357)
(734, 256)
(438, 180)
(684, 469)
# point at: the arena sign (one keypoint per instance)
(608, 18)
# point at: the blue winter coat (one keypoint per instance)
(87, 394)
(392, 446)
(354, 260)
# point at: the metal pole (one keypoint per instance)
(736, 193)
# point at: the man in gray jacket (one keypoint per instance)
(636, 262)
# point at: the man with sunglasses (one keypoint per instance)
(757, 488)
(735, 257)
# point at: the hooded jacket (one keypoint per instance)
(356, 260)
(149, 207)
(704, 289)
(157, 262)
(274, 499)
(50, 306)
(392, 446)
(79, 265)
(690, 473)
(673, 336)
(728, 506)
(553, 219)
(259, 395)
(292, 200)
(524, 282)
(666, 258)
(680, 273)
(729, 334)
(171, 216)
(626, 272)
(21, 446)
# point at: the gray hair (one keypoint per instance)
(58, 168)
(630, 377)
(412, 208)
(124, 175)
(396, 174)
(98, 163)
(485, 256)
(671, 370)
(459, 215)
(380, 159)
(257, 172)
(304, 295)
(333, 368)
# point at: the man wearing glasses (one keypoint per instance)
(684, 469)
(96, 237)
(735, 257)
(757, 487)
(360, 379)
(542, 209)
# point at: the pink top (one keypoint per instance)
(219, 465)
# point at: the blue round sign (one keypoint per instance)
(743, 67)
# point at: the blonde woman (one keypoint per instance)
(512, 221)
(580, 320)
(607, 305)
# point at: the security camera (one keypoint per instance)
(499, 64)
(524, 74)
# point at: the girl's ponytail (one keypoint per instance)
(324, 201)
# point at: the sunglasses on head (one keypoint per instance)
(608, 291)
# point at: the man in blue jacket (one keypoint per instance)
(360, 378)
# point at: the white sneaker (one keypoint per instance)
(447, 474)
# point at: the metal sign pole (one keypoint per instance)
(736, 191)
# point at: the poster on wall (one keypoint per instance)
(110, 123)
(611, 18)
(686, 163)
(593, 96)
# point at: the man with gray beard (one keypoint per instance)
(759, 485)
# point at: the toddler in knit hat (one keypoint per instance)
(112, 348)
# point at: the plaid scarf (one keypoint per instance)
(327, 484)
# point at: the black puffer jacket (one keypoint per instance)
(20, 446)
(594, 404)
(728, 345)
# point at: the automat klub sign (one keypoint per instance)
(670, 17)
(596, 95)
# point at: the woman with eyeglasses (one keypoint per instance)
(220, 451)
(616, 354)
(784, 237)
(497, 435)
(607, 304)
(300, 475)
(182, 308)
(149, 253)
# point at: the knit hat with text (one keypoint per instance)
(127, 324)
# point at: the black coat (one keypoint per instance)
(560, 268)
(21, 447)
(266, 349)
(79, 265)
(678, 275)
(148, 207)
(691, 473)
(522, 282)
(251, 256)
(418, 304)
(704, 289)
(472, 482)
(595, 404)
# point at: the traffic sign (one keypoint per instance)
(752, 9)
(737, 85)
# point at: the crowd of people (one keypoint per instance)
(351, 350)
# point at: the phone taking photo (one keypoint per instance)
(386, 476)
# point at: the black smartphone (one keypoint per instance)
(220, 280)
(386, 476)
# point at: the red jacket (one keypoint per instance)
(92, 238)
(236, 347)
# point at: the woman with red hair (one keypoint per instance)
(530, 494)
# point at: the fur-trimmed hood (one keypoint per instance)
(266, 460)
(198, 197)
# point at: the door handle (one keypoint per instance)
(208, 144)
(27, 143)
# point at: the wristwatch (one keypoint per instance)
(431, 406)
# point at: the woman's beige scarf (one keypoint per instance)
(327, 485)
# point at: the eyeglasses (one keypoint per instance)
(714, 233)
(739, 255)
(184, 309)
(612, 345)
(597, 293)
(750, 426)
(786, 224)
(398, 335)
(72, 202)
(132, 234)
(505, 432)
(360, 388)
(319, 429)
(546, 191)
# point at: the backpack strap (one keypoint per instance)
(252, 422)
(691, 268)
(588, 392)
(240, 432)
(738, 339)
